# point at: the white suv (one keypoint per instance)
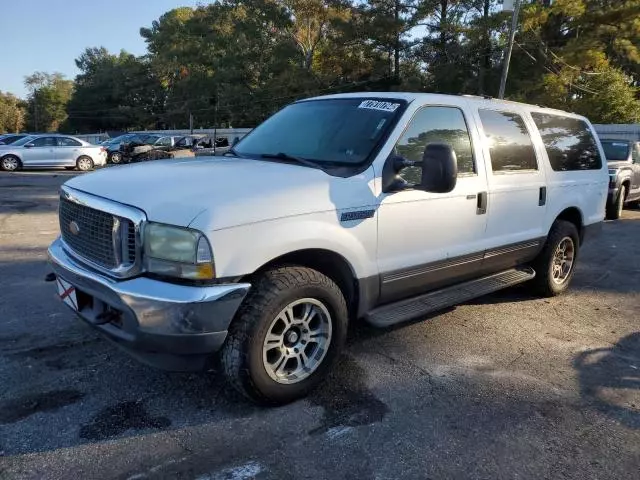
(374, 206)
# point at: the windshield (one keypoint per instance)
(22, 141)
(615, 150)
(341, 131)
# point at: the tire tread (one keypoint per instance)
(266, 290)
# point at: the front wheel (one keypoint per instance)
(116, 158)
(614, 211)
(10, 163)
(286, 336)
(556, 262)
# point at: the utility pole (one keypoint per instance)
(215, 122)
(507, 55)
(190, 122)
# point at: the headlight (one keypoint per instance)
(177, 252)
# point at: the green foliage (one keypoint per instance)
(48, 96)
(114, 92)
(12, 113)
(234, 62)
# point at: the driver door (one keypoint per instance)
(430, 240)
(41, 152)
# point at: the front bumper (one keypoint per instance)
(169, 326)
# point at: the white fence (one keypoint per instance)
(626, 131)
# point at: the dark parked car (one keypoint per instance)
(623, 158)
(113, 147)
(11, 138)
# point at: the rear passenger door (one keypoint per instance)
(68, 151)
(517, 189)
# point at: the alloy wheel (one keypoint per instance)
(297, 341)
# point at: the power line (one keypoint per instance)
(571, 85)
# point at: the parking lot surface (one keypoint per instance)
(507, 386)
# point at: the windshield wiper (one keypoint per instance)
(285, 156)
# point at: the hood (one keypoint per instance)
(225, 191)
(618, 163)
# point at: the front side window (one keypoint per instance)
(568, 142)
(338, 132)
(164, 141)
(435, 125)
(68, 142)
(510, 146)
(44, 142)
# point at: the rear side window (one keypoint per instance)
(569, 142)
(510, 145)
(68, 142)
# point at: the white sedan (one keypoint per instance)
(51, 151)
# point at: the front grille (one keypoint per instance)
(94, 238)
(90, 234)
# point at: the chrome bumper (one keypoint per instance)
(170, 326)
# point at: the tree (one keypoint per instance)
(114, 92)
(12, 113)
(47, 100)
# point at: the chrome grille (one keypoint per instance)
(106, 234)
(94, 239)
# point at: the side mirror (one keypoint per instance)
(439, 168)
(439, 171)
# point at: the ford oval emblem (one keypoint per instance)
(74, 227)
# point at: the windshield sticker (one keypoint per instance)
(376, 105)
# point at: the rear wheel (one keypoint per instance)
(614, 211)
(556, 262)
(10, 163)
(84, 164)
(286, 336)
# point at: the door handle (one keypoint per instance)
(542, 196)
(482, 203)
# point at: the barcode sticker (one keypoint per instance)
(377, 105)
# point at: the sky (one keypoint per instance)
(48, 35)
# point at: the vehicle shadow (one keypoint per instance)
(609, 379)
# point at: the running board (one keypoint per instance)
(407, 309)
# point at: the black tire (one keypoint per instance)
(242, 353)
(115, 158)
(10, 163)
(615, 209)
(84, 163)
(544, 283)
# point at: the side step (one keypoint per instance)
(407, 309)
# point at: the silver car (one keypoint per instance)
(51, 151)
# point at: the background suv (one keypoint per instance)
(623, 160)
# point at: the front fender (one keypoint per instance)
(242, 250)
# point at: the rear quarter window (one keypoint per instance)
(569, 143)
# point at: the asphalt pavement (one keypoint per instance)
(507, 386)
